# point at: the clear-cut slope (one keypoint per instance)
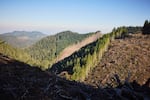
(125, 57)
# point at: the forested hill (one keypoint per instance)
(16, 53)
(44, 52)
(48, 48)
(21, 39)
(79, 64)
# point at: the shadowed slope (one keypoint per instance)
(19, 81)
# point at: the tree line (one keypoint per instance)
(79, 64)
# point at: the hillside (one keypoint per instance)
(16, 53)
(75, 47)
(127, 57)
(78, 65)
(47, 49)
(19, 81)
(21, 39)
(115, 66)
(12, 52)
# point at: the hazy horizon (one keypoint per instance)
(53, 16)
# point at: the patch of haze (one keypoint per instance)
(50, 30)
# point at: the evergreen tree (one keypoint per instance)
(146, 27)
(87, 57)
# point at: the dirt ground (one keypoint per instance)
(128, 58)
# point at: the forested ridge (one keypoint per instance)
(79, 64)
(48, 49)
(43, 53)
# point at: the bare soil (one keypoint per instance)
(128, 58)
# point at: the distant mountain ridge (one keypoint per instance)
(22, 39)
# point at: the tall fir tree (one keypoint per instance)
(146, 27)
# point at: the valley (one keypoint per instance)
(22, 39)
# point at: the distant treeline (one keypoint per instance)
(133, 30)
(79, 64)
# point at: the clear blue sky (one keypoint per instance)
(51, 16)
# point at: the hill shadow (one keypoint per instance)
(19, 81)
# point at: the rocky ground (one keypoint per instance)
(127, 58)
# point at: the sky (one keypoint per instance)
(53, 16)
